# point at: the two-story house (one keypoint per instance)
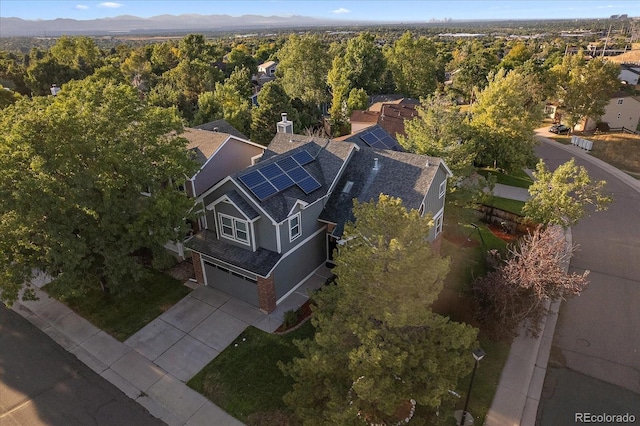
(267, 228)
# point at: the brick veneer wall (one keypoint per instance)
(197, 267)
(266, 294)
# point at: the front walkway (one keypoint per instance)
(153, 365)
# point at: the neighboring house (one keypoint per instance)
(222, 126)
(391, 116)
(266, 72)
(269, 227)
(630, 74)
(623, 110)
(372, 137)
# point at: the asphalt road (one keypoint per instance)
(42, 384)
(595, 357)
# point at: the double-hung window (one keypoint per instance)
(234, 229)
(438, 224)
(295, 228)
(442, 189)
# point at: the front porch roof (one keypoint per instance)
(260, 262)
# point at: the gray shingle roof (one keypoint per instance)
(259, 262)
(223, 127)
(357, 137)
(329, 156)
(242, 204)
(399, 174)
(202, 143)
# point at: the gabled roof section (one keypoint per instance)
(260, 262)
(329, 159)
(360, 116)
(399, 174)
(203, 143)
(241, 204)
(223, 127)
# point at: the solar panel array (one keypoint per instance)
(273, 178)
(378, 138)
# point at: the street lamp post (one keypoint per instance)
(478, 354)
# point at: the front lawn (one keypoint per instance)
(245, 381)
(518, 178)
(506, 204)
(121, 317)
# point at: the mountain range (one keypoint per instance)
(12, 27)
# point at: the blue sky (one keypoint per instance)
(373, 10)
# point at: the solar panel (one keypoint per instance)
(298, 174)
(282, 182)
(308, 185)
(264, 190)
(287, 163)
(252, 179)
(368, 138)
(303, 157)
(271, 170)
(388, 142)
(378, 144)
(379, 133)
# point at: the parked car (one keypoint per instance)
(559, 129)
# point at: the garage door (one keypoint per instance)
(232, 283)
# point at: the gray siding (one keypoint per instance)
(432, 201)
(265, 232)
(310, 224)
(232, 157)
(231, 284)
(300, 263)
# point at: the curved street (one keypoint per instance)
(595, 358)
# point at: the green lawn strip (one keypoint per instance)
(518, 178)
(486, 379)
(122, 316)
(245, 379)
(506, 204)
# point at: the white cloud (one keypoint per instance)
(110, 5)
(341, 11)
(82, 6)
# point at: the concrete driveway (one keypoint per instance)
(195, 330)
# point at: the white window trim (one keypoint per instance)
(234, 229)
(438, 223)
(442, 189)
(293, 237)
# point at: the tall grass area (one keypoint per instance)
(122, 316)
(245, 381)
(619, 150)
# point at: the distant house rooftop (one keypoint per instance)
(222, 126)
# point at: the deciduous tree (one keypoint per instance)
(560, 197)
(413, 64)
(441, 130)
(585, 88)
(519, 288)
(73, 168)
(302, 70)
(503, 119)
(377, 325)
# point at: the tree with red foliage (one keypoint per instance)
(520, 288)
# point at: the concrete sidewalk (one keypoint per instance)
(153, 365)
(511, 192)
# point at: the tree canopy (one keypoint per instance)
(73, 168)
(377, 325)
(584, 88)
(503, 119)
(302, 70)
(560, 197)
(413, 65)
